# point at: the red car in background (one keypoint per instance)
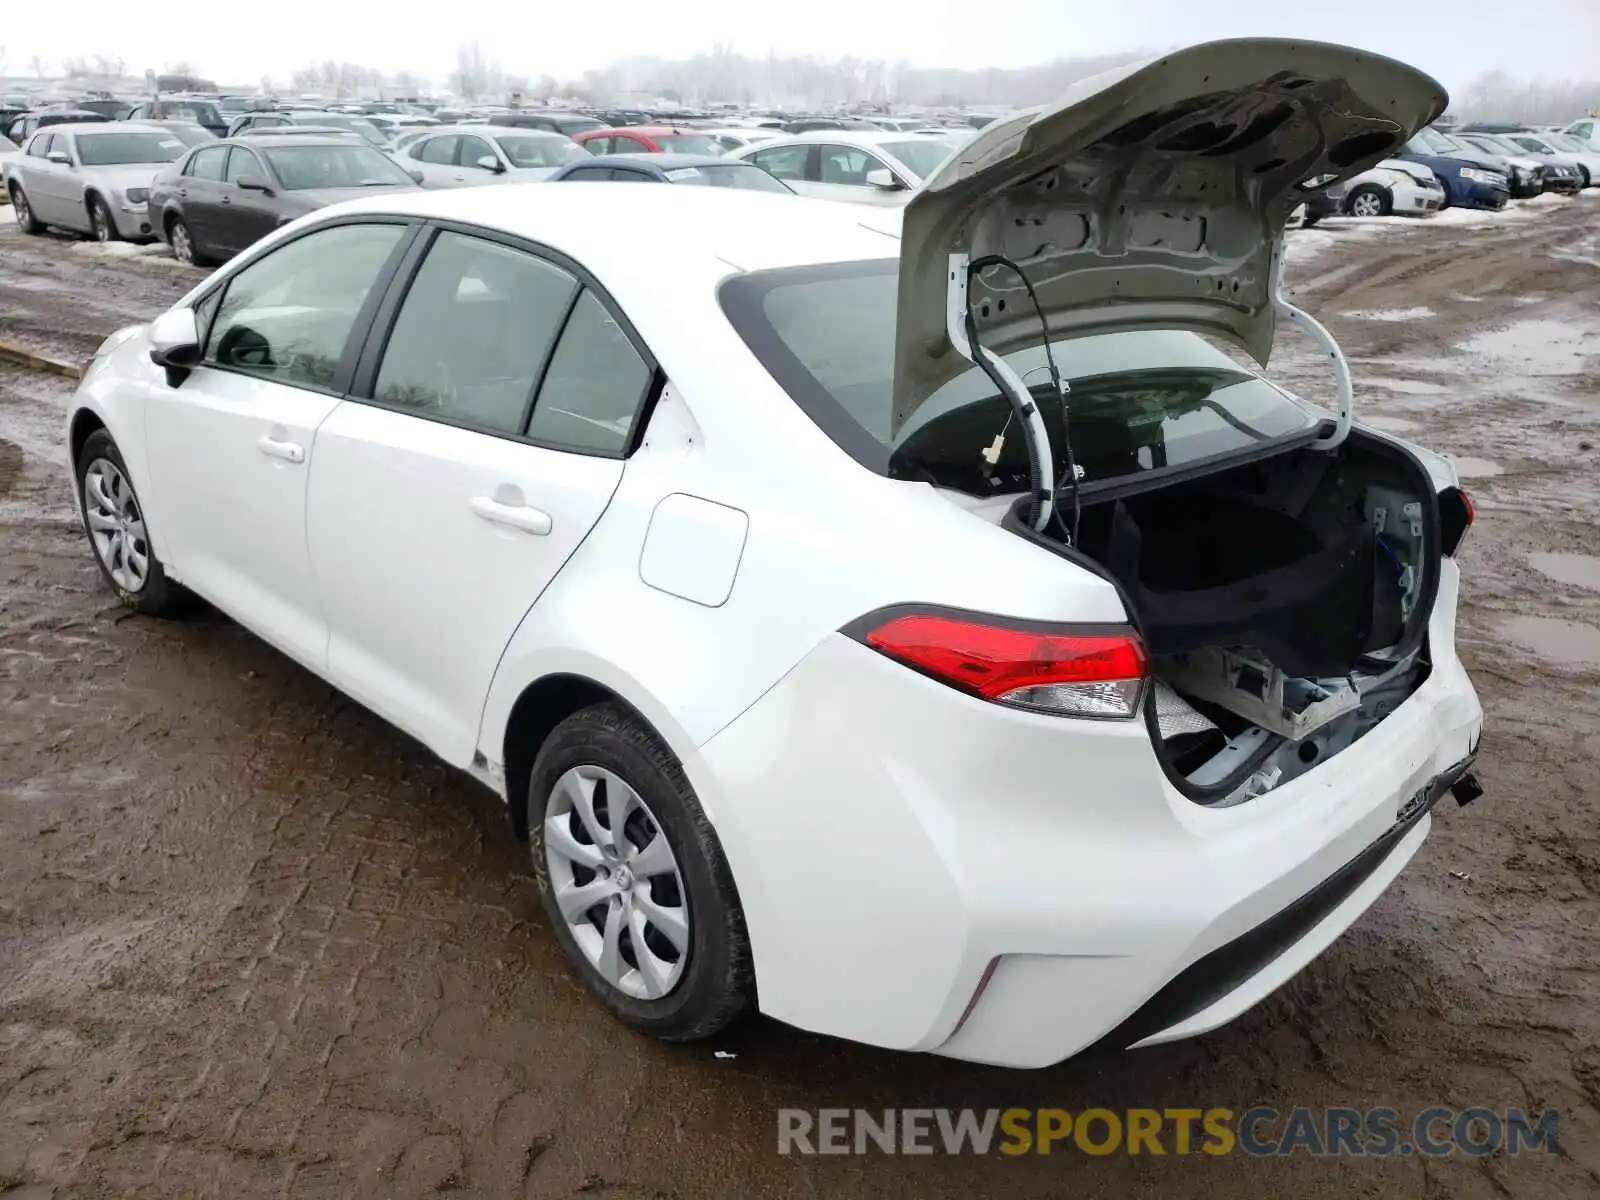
(647, 139)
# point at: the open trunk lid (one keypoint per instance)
(1149, 197)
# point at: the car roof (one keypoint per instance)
(846, 137)
(649, 131)
(669, 162)
(280, 141)
(103, 126)
(499, 131)
(613, 230)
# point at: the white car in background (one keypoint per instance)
(1394, 187)
(862, 166)
(824, 672)
(1586, 132)
(1552, 146)
(738, 137)
(473, 155)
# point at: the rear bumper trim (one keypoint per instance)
(1226, 968)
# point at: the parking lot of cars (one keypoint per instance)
(269, 944)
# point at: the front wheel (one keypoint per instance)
(1368, 200)
(115, 522)
(634, 880)
(101, 222)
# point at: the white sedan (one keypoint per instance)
(828, 666)
(862, 166)
(473, 155)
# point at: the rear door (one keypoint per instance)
(439, 508)
(434, 156)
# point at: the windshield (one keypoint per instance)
(1139, 401)
(1528, 142)
(551, 151)
(745, 176)
(206, 114)
(924, 155)
(121, 149)
(306, 168)
(191, 135)
(1428, 141)
(1562, 141)
(688, 143)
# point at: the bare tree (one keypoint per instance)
(38, 66)
(108, 66)
(76, 68)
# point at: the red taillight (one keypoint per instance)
(1085, 673)
(1457, 512)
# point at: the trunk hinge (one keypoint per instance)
(955, 323)
(1315, 330)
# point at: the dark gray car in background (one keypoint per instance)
(222, 197)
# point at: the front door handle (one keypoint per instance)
(288, 451)
(519, 516)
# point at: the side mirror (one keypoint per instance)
(416, 176)
(490, 163)
(175, 344)
(253, 183)
(883, 179)
(60, 157)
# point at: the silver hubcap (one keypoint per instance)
(617, 882)
(20, 203)
(102, 224)
(116, 525)
(1366, 205)
(180, 242)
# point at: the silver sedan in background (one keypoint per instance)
(91, 178)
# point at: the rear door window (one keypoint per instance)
(595, 387)
(207, 163)
(786, 162)
(473, 334)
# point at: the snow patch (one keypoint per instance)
(1391, 314)
(1534, 348)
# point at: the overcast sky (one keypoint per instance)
(1455, 41)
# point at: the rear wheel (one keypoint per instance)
(26, 221)
(181, 242)
(634, 880)
(1368, 200)
(115, 522)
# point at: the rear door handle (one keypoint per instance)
(288, 451)
(519, 516)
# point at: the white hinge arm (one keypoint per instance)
(1318, 333)
(955, 322)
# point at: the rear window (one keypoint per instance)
(1139, 402)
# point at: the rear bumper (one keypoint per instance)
(923, 871)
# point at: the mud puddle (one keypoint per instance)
(1555, 640)
(1580, 570)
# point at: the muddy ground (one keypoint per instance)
(255, 943)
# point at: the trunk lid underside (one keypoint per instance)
(1151, 197)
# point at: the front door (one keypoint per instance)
(440, 509)
(247, 215)
(231, 446)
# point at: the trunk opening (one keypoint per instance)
(1284, 603)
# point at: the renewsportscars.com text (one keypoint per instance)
(1260, 1132)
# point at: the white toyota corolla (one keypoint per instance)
(849, 650)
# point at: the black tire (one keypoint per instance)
(1309, 220)
(102, 225)
(1583, 176)
(158, 596)
(193, 257)
(1385, 201)
(26, 221)
(718, 983)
